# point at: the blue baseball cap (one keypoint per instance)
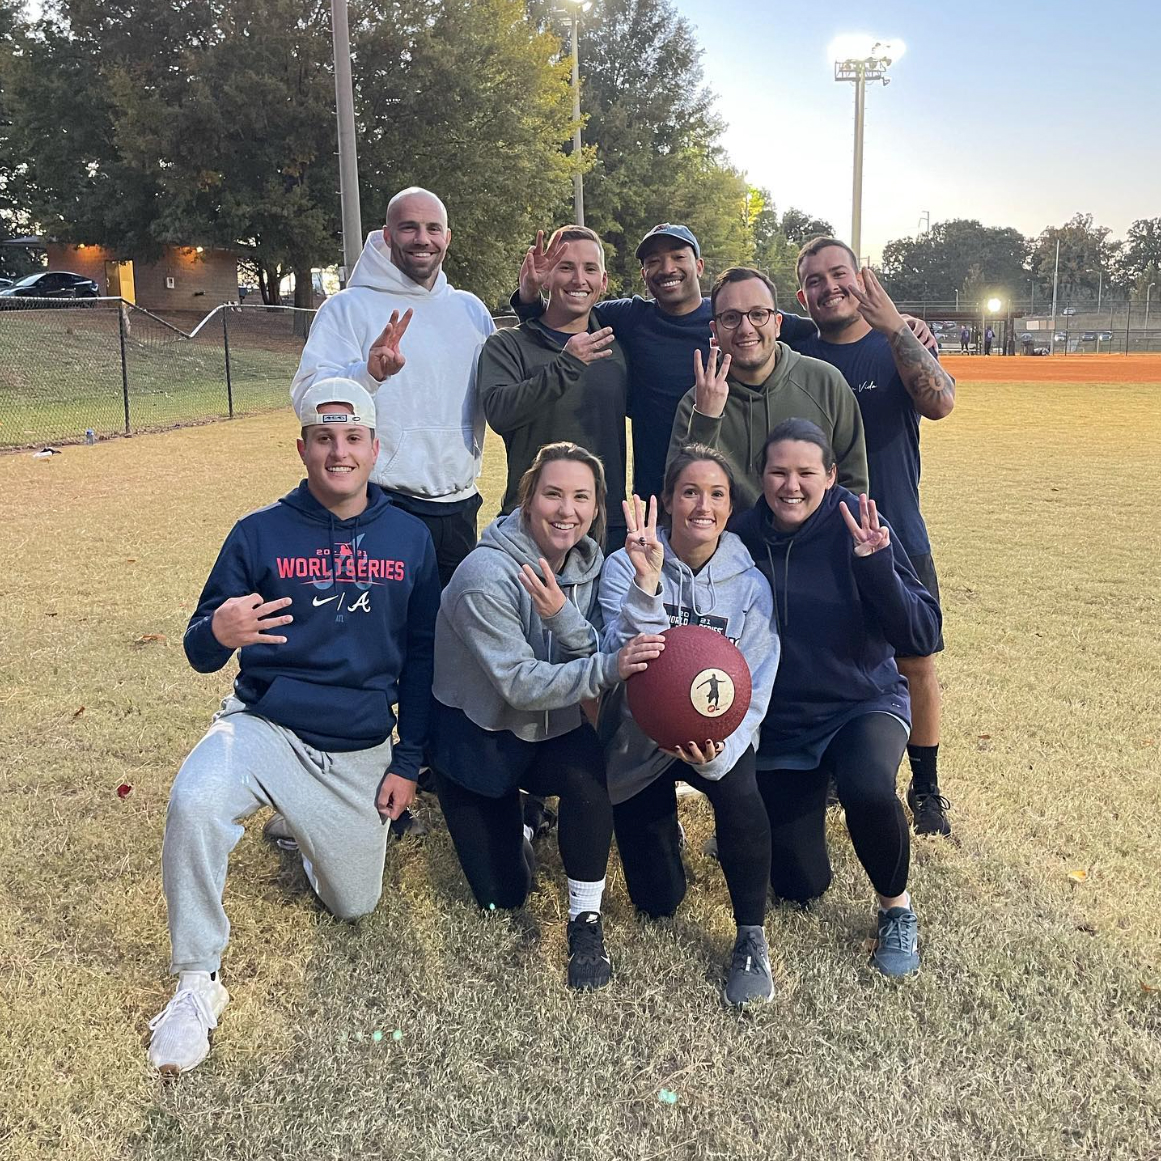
(669, 230)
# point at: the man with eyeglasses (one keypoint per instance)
(760, 381)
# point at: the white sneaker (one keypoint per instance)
(181, 1030)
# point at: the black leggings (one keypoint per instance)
(648, 840)
(488, 833)
(864, 758)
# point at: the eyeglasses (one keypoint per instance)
(730, 320)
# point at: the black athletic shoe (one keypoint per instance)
(408, 825)
(538, 817)
(928, 811)
(589, 966)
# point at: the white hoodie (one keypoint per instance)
(428, 417)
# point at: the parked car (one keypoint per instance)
(52, 284)
(1088, 337)
(1026, 337)
(5, 282)
(1060, 337)
(1105, 336)
(1068, 310)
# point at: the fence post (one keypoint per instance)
(124, 364)
(226, 344)
(1128, 318)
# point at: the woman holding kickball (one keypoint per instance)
(691, 571)
(515, 661)
(846, 599)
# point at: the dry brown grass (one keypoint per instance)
(1028, 1033)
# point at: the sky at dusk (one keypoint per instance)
(1015, 114)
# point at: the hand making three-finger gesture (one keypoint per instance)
(869, 535)
(385, 359)
(547, 598)
(538, 264)
(710, 387)
(646, 553)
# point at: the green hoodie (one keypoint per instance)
(797, 388)
(534, 392)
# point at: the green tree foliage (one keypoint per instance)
(212, 122)
(656, 138)
(470, 99)
(799, 227)
(1139, 262)
(1086, 253)
(13, 223)
(960, 255)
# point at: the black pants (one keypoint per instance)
(452, 532)
(488, 833)
(648, 840)
(864, 758)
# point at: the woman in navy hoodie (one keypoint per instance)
(846, 599)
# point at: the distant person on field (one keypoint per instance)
(896, 381)
(965, 338)
(989, 335)
(561, 376)
(412, 341)
(759, 381)
(330, 595)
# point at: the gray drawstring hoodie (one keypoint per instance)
(728, 594)
(497, 661)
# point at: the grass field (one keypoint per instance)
(60, 373)
(1032, 1031)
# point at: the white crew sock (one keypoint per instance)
(907, 896)
(584, 896)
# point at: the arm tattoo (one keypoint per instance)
(928, 384)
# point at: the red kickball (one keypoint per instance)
(698, 689)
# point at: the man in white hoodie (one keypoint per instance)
(428, 414)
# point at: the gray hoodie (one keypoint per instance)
(497, 661)
(428, 417)
(728, 595)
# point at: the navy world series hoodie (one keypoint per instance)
(365, 593)
(842, 618)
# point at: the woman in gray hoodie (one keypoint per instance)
(692, 572)
(516, 659)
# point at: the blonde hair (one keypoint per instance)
(552, 453)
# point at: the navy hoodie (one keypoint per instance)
(842, 618)
(365, 595)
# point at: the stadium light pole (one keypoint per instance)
(577, 7)
(348, 158)
(860, 59)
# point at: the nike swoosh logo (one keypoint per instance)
(324, 600)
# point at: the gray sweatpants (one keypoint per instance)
(246, 762)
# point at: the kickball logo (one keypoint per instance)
(712, 693)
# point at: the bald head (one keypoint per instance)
(416, 233)
(415, 200)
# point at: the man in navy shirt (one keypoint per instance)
(895, 380)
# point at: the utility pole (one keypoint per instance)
(1055, 277)
(578, 185)
(348, 158)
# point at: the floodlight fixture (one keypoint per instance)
(859, 58)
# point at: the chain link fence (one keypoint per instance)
(105, 366)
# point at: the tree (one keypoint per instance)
(799, 227)
(959, 255)
(1086, 258)
(471, 100)
(1139, 262)
(655, 138)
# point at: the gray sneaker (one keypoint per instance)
(749, 978)
(897, 950)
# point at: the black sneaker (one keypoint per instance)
(408, 825)
(928, 811)
(538, 817)
(749, 977)
(589, 966)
